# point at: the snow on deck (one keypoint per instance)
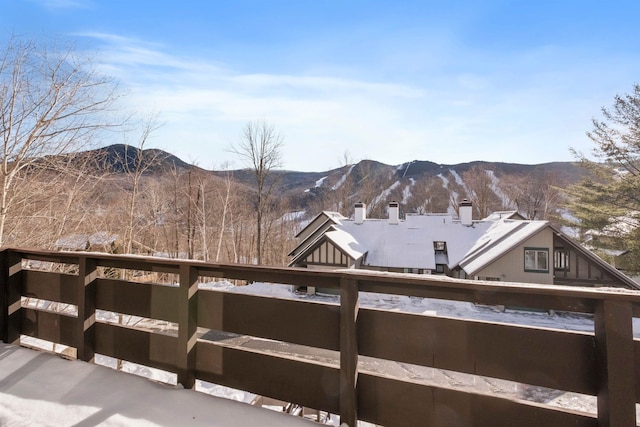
(42, 389)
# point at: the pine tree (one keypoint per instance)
(607, 201)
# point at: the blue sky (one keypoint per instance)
(393, 81)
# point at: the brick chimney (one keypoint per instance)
(466, 213)
(394, 212)
(360, 213)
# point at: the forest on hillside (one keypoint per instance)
(121, 199)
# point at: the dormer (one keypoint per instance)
(440, 247)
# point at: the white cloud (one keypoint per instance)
(503, 109)
(204, 105)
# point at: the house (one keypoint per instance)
(501, 247)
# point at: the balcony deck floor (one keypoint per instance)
(38, 388)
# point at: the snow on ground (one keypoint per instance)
(292, 216)
(453, 194)
(457, 178)
(445, 180)
(41, 389)
(385, 193)
(343, 178)
(436, 307)
(406, 193)
(495, 187)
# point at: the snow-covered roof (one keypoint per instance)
(346, 242)
(409, 244)
(322, 218)
(503, 215)
(501, 237)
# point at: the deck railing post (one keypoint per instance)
(85, 327)
(4, 306)
(10, 297)
(187, 325)
(348, 352)
(616, 363)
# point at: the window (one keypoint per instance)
(536, 260)
(561, 259)
(440, 246)
(439, 268)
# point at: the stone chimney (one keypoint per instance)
(360, 213)
(466, 213)
(394, 212)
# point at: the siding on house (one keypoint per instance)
(510, 267)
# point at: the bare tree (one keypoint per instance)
(535, 196)
(479, 187)
(429, 195)
(135, 163)
(260, 150)
(225, 201)
(51, 101)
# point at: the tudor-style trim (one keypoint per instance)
(331, 218)
(310, 249)
(595, 259)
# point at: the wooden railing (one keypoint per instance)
(603, 364)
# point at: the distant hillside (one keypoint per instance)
(417, 185)
(120, 158)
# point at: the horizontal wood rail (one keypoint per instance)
(605, 363)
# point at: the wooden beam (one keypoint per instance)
(616, 356)
(394, 402)
(348, 352)
(58, 328)
(86, 297)
(187, 325)
(10, 297)
(143, 347)
(291, 321)
(305, 382)
(47, 285)
(148, 300)
(511, 352)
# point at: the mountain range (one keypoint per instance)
(418, 185)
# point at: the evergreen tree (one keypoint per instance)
(607, 201)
